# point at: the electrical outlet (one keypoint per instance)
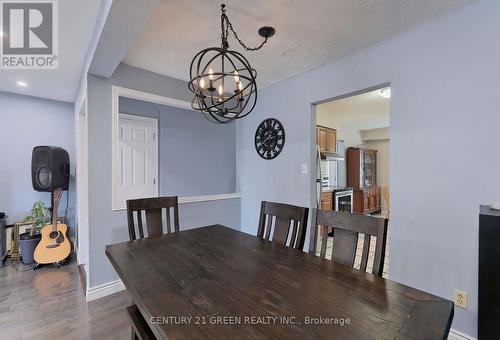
(461, 299)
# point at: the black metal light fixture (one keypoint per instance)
(223, 81)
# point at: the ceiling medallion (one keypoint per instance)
(223, 81)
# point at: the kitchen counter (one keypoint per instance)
(332, 189)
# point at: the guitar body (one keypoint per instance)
(54, 245)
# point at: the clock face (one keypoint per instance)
(269, 138)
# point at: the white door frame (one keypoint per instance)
(82, 185)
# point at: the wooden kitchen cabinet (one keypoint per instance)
(326, 205)
(326, 138)
(327, 201)
(321, 138)
(331, 140)
(367, 200)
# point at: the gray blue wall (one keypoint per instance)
(26, 122)
(445, 114)
(196, 158)
(107, 226)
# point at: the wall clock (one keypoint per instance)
(269, 138)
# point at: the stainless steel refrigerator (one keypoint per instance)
(335, 171)
(341, 166)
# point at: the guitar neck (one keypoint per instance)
(56, 197)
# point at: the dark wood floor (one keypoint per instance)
(49, 304)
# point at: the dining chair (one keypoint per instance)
(153, 210)
(347, 228)
(283, 223)
(140, 328)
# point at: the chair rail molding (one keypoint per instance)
(202, 198)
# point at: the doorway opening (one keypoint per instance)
(352, 158)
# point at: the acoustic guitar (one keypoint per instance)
(54, 245)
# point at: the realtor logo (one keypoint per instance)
(29, 34)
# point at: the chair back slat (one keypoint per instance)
(324, 241)
(283, 223)
(344, 247)
(169, 229)
(293, 234)
(176, 217)
(269, 227)
(130, 222)
(346, 231)
(281, 229)
(378, 261)
(139, 224)
(153, 210)
(365, 253)
(153, 222)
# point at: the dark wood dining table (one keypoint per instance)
(219, 283)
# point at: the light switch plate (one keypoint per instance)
(304, 168)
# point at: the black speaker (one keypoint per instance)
(49, 168)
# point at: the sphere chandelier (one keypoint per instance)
(222, 80)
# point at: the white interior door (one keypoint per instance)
(137, 158)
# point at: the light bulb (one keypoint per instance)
(202, 83)
(220, 89)
(236, 76)
(210, 74)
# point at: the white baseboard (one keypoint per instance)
(456, 335)
(105, 289)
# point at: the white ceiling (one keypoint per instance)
(77, 19)
(369, 110)
(309, 33)
(352, 114)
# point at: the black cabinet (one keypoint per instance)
(3, 241)
(489, 274)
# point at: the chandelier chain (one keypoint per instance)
(226, 25)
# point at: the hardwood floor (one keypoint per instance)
(49, 304)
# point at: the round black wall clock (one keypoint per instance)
(269, 138)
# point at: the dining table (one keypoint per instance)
(216, 282)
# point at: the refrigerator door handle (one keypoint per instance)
(318, 177)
